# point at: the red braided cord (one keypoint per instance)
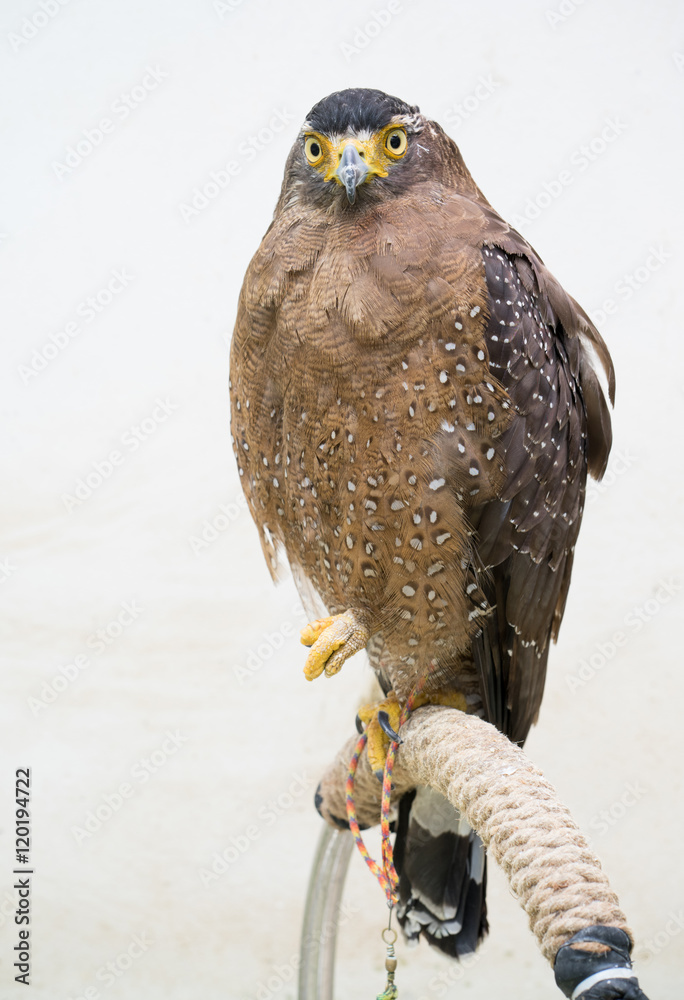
(387, 875)
(385, 884)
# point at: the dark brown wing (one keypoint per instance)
(561, 427)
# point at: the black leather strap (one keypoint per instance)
(575, 965)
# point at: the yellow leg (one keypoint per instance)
(333, 640)
(450, 699)
(378, 740)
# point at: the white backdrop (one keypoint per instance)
(152, 675)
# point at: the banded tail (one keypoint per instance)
(442, 869)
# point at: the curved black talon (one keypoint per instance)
(359, 724)
(380, 775)
(383, 719)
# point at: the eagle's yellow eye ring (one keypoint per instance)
(396, 142)
(313, 150)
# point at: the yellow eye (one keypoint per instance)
(395, 142)
(313, 150)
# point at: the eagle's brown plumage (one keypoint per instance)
(414, 410)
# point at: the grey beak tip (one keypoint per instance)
(351, 171)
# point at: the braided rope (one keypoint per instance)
(508, 801)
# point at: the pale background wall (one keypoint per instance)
(207, 649)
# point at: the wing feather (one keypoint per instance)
(560, 429)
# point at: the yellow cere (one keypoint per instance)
(377, 152)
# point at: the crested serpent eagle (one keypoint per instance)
(416, 404)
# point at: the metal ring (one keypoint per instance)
(326, 885)
(389, 930)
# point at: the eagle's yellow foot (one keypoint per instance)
(333, 640)
(382, 722)
(378, 720)
(450, 699)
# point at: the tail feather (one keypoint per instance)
(442, 875)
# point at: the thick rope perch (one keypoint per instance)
(549, 865)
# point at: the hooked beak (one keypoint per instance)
(351, 171)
